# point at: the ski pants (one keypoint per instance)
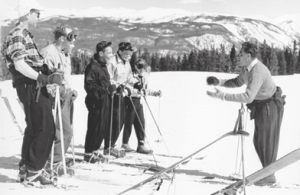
(134, 118)
(40, 130)
(97, 127)
(267, 119)
(67, 130)
(118, 117)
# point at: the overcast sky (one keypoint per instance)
(268, 8)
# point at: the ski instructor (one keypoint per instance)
(263, 98)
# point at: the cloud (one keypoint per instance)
(190, 1)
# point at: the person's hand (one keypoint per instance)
(44, 80)
(212, 81)
(65, 93)
(112, 89)
(217, 94)
(138, 86)
(74, 95)
(120, 89)
(127, 92)
(158, 93)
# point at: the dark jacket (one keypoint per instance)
(96, 82)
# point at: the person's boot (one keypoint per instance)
(22, 173)
(36, 178)
(117, 153)
(90, 158)
(143, 150)
(58, 169)
(127, 148)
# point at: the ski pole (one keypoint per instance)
(72, 126)
(157, 126)
(61, 133)
(142, 127)
(111, 123)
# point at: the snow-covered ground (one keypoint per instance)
(188, 120)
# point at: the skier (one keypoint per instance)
(263, 98)
(121, 76)
(30, 77)
(98, 88)
(55, 57)
(134, 108)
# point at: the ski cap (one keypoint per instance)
(141, 63)
(102, 45)
(126, 46)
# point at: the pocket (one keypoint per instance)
(22, 92)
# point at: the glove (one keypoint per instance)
(64, 93)
(43, 80)
(158, 93)
(218, 94)
(212, 81)
(120, 89)
(127, 91)
(138, 86)
(74, 95)
(112, 89)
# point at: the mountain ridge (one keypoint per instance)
(162, 30)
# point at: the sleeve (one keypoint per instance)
(17, 48)
(48, 59)
(235, 82)
(255, 82)
(91, 86)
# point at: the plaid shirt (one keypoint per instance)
(19, 44)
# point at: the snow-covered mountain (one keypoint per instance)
(163, 30)
(289, 23)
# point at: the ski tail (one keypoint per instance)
(173, 166)
(281, 163)
(12, 114)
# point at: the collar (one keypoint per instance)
(120, 58)
(96, 58)
(249, 68)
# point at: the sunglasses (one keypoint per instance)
(71, 36)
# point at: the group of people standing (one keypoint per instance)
(113, 100)
(114, 94)
(112, 88)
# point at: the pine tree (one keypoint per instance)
(281, 63)
(192, 60)
(273, 65)
(178, 63)
(184, 63)
(233, 59)
(288, 58)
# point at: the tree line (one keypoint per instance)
(284, 61)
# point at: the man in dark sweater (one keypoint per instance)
(263, 98)
(98, 88)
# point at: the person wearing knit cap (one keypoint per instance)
(134, 108)
(120, 72)
(99, 90)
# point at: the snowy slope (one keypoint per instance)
(188, 120)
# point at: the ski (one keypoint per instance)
(262, 173)
(12, 114)
(174, 166)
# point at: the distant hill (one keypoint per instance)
(171, 32)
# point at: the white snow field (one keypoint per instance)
(188, 120)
